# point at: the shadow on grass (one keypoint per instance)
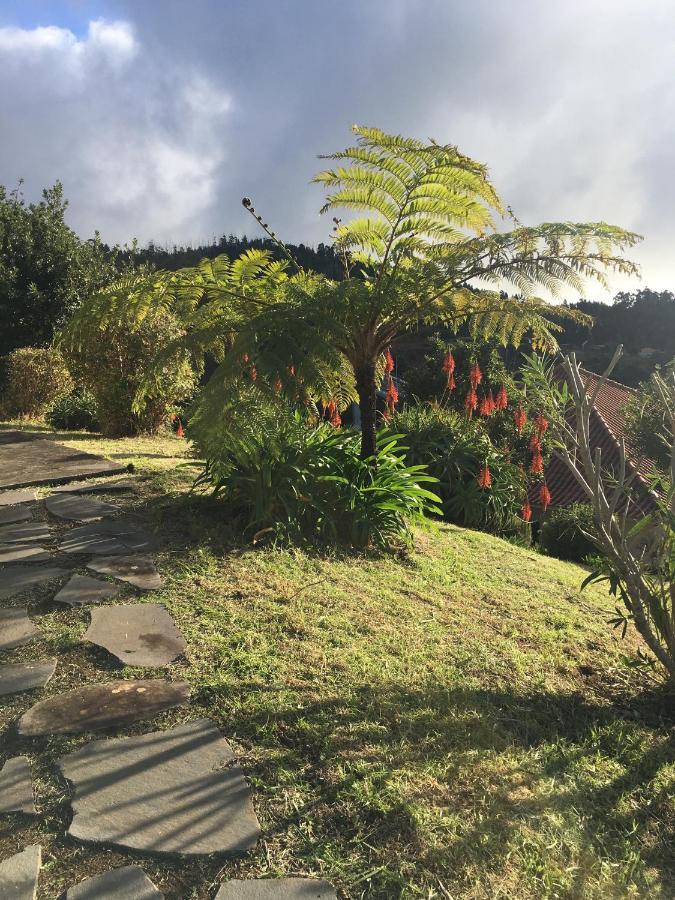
(507, 763)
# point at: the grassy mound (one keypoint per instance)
(456, 723)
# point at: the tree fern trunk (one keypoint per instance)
(367, 389)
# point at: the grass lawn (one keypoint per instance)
(457, 723)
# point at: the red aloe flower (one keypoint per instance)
(485, 478)
(253, 372)
(475, 375)
(535, 444)
(502, 398)
(526, 511)
(541, 424)
(391, 397)
(484, 408)
(491, 403)
(471, 402)
(448, 366)
(333, 415)
(520, 418)
(544, 496)
(537, 465)
(452, 384)
(388, 362)
(277, 385)
(179, 430)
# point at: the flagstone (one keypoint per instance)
(277, 889)
(162, 792)
(17, 677)
(107, 537)
(137, 570)
(98, 487)
(126, 883)
(82, 589)
(19, 874)
(10, 515)
(16, 628)
(138, 634)
(16, 787)
(23, 553)
(81, 509)
(108, 705)
(23, 533)
(17, 578)
(12, 498)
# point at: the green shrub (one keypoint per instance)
(111, 363)
(564, 533)
(302, 481)
(454, 450)
(74, 411)
(34, 378)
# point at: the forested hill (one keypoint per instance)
(320, 259)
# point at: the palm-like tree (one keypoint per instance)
(423, 249)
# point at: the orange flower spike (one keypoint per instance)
(537, 465)
(485, 478)
(544, 496)
(391, 397)
(535, 444)
(484, 408)
(388, 362)
(448, 366)
(526, 511)
(471, 402)
(492, 406)
(502, 399)
(520, 418)
(475, 375)
(179, 430)
(452, 384)
(541, 424)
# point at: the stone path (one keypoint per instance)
(16, 628)
(108, 705)
(142, 634)
(81, 589)
(30, 458)
(16, 787)
(19, 874)
(127, 883)
(174, 791)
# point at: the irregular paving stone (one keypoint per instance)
(10, 515)
(18, 677)
(16, 628)
(277, 889)
(16, 787)
(138, 634)
(22, 534)
(98, 706)
(11, 498)
(81, 509)
(15, 579)
(107, 537)
(23, 553)
(163, 792)
(82, 589)
(137, 570)
(19, 874)
(127, 883)
(98, 487)
(36, 459)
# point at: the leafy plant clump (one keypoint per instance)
(74, 411)
(456, 450)
(567, 532)
(299, 481)
(34, 377)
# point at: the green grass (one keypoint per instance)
(458, 722)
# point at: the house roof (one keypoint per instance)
(607, 427)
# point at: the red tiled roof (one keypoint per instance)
(607, 426)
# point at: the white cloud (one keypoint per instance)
(138, 143)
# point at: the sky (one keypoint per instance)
(159, 116)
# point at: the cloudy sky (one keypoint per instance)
(158, 116)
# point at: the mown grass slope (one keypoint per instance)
(456, 722)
